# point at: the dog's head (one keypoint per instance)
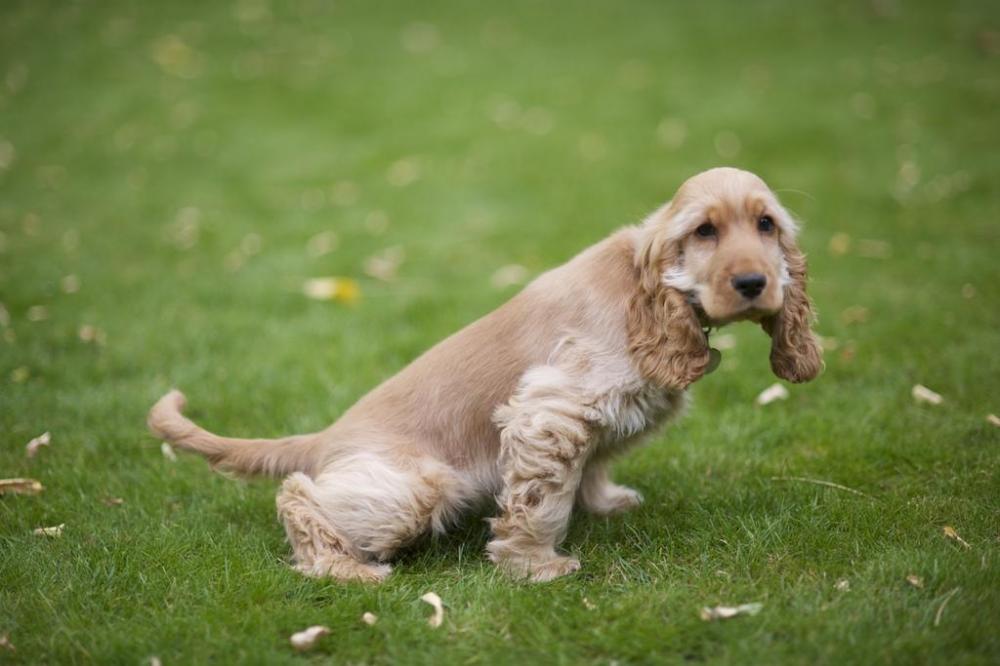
(722, 250)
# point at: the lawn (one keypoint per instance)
(171, 174)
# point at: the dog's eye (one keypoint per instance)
(766, 224)
(706, 230)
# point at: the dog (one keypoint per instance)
(529, 404)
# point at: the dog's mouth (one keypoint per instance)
(746, 311)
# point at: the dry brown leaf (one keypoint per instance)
(508, 276)
(31, 449)
(6, 644)
(993, 419)
(856, 314)
(340, 289)
(403, 172)
(369, 618)
(168, 452)
(306, 639)
(20, 487)
(385, 265)
(724, 341)
(923, 394)
(915, 580)
(70, 284)
(322, 243)
(828, 344)
(88, 333)
(38, 313)
(726, 612)
(54, 531)
(435, 601)
(950, 532)
(843, 585)
(772, 393)
(874, 249)
(839, 245)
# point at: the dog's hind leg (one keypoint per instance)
(317, 549)
(362, 508)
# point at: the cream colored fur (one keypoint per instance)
(527, 405)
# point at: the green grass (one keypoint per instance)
(533, 130)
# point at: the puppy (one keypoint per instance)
(529, 404)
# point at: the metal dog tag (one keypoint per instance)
(714, 358)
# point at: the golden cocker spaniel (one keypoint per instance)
(529, 404)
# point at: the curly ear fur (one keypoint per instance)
(795, 352)
(665, 337)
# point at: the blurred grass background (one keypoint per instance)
(171, 174)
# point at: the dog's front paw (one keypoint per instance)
(538, 565)
(613, 499)
(555, 568)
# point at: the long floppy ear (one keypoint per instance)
(665, 337)
(795, 353)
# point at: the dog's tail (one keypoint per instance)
(274, 457)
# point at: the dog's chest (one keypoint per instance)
(625, 411)
(621, 404)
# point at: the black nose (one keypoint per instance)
(749, 284)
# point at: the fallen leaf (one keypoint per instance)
(923, 394)
(342, 290)
(385, 265)
(588, 604)
(112, 501)
(828, 344)
(435, 601)
(54, 531)
(724, 341)
(20, 487)
(950, 532)
(369, 618)
(38, 313)
(403, 172)
(856, 314)
(168, 452)
(772, 393)
(874, 249)
(915, 581)
(508, 276)
(155, 661)
(31, 450)
(840, 243)
(306, 639)
(843, 585)
(322, 243)
(6, 644)
(70, 284)
(848, 352)
(993, 419)
(88, 333)
(726, 612)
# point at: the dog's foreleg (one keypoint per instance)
(545, 442)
